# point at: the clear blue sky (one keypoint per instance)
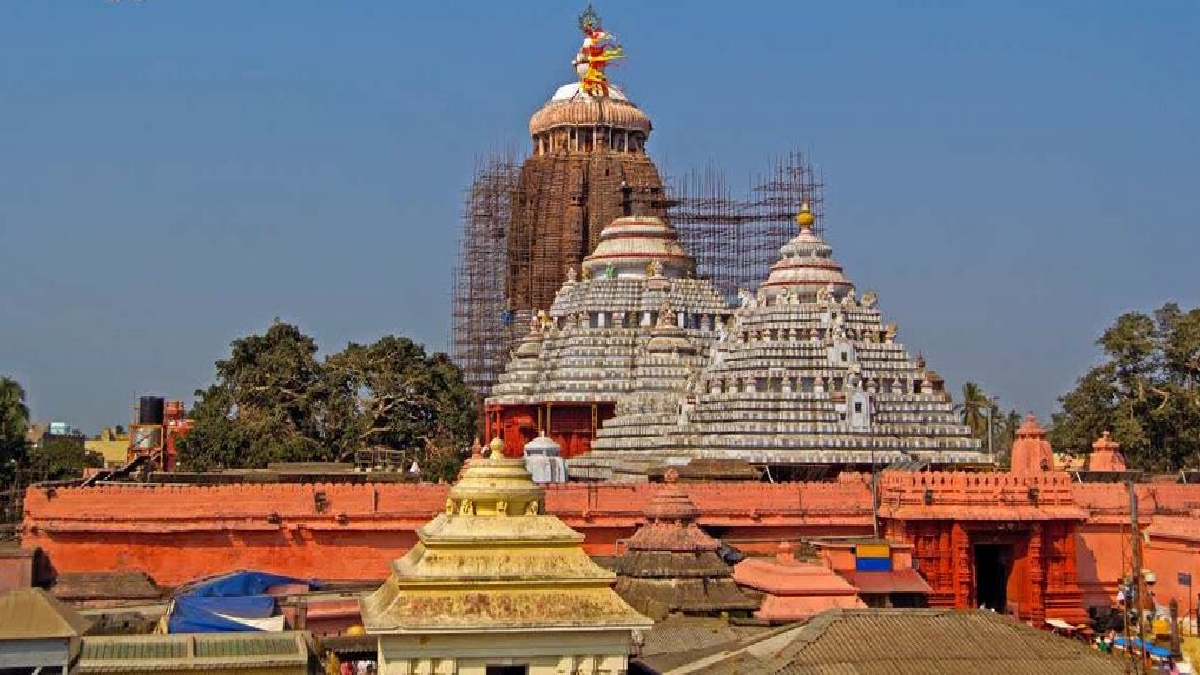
(1009, 176)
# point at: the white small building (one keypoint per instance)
(543, 460)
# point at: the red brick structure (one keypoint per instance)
(572, 425)
(1006, 541)
(1031, 451)
(1058, 545)
(1106, 455)
(351, 532)
(584, 150)
(795, 590)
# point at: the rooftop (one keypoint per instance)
(206, 652)
(33, 614)
(899, 642)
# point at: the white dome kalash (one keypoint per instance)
(630, 244)
(806, 266)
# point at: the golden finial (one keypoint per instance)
(805, 218)
(496, 448)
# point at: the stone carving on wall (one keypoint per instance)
(666, 315)
(531, 509)
(570, 274)
(889, 333)
(466, 508)
(747, 299)
(822, 295)
(849, 300)
(869, 299)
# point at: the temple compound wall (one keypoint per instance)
(350, 532)
(1070, 540)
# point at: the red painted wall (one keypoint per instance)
(570, 425)
(177, 533)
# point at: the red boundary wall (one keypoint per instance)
(351, 532)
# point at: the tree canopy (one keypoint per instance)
(1146, 392)
(14, 420)
(61, 459)
(275, 400)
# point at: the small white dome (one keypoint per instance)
(574, 89)
(543, 445)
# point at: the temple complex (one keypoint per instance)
(1045, 544)
(604, 352)
(805, 373)
(526, 226)
(634, 322)
(671, 566)
(494, 581)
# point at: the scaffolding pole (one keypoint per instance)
(736, 238)
(482, 320)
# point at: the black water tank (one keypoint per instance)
(150, 410)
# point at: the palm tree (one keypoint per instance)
(972, 409)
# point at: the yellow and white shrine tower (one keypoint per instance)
(497, 587)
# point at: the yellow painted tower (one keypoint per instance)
(497, 586)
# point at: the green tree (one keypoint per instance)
(14, 420)
(1006, 433)
(267, 405)
(274, 400)
(1146, 392)
(392, 394)
(975, 408)
(61, 459)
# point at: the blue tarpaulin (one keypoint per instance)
(198, 607)
(1152, 649)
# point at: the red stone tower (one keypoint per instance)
(1031, 451)
(588, 167)
(525, 224)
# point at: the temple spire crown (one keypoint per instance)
(805, 217)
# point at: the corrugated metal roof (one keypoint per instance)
(200, 652)
(905, 641)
